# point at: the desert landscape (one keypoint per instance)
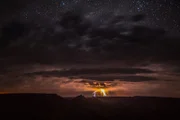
(53, 107)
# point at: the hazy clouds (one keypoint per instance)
(79, 50)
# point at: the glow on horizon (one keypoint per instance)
(101, 91)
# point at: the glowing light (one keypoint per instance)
(99, 92)
(103, 92)
(94, 93)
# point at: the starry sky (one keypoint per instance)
(159, 13)
(72, 47)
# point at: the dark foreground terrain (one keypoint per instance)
(54, 107)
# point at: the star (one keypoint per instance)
(62, 3)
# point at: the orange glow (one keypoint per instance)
(3, 92)
(103, 92)
(100, 92)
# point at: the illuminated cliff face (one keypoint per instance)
(100, 92)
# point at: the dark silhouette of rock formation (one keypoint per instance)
(52, 106)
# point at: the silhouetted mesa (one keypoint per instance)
(52, 106)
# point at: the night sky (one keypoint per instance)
(162, 13)
(72, 47)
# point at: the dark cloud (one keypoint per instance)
(143, 33)
(97, 71)
(75, 38)
(138, 17)
(10, 81)
(11, 32)
(87, 38)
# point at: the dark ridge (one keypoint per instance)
(51, 106)
(31, 100)
(80, 99)
(83, 100)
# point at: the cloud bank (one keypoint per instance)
(83, 53)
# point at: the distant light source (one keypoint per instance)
(103, 92)
(99, 92)
(63, 3)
